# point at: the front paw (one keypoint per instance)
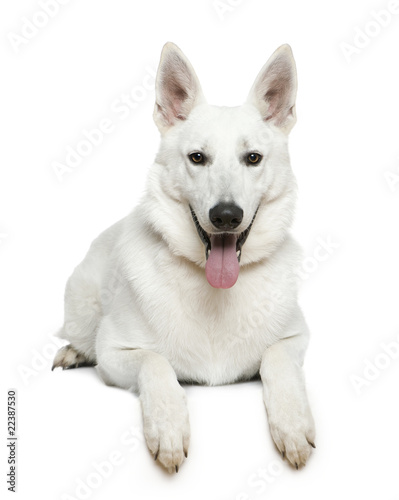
(166, 427)
(294, 435)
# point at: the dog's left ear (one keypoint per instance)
(177, 88)
(274, 90)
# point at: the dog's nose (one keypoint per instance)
(226, 216)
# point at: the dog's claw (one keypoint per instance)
(283, 455)
(185, 453)
(68, 357)
(156, 455)
(177, 469)
(296, 466)
(312, 445)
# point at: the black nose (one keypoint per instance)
(226, 216)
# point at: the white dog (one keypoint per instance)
(198, 283)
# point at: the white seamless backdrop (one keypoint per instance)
(78, 140)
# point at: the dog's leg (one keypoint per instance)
(163, 400)
(290, 419)
(69, 357)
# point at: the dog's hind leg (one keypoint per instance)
(68, 357)
(84, 292)
(82, 315)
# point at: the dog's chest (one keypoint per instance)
(214, 350)
(210, 335)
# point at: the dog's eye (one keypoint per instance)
(197, 157)
(253, 158)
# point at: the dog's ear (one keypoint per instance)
(177, 88)
(274, 90)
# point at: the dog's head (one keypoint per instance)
(222, 192)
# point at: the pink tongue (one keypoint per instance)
(222, 266)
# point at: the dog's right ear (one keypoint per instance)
(177, 88)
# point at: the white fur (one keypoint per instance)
(139, 305)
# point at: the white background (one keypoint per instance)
(65, 79)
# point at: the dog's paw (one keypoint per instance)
(69, 357)
(167, 427)
(294, 436)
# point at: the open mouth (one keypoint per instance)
(223, 253)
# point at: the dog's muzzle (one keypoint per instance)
(223, 250)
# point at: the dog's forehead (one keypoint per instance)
(222, 126)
